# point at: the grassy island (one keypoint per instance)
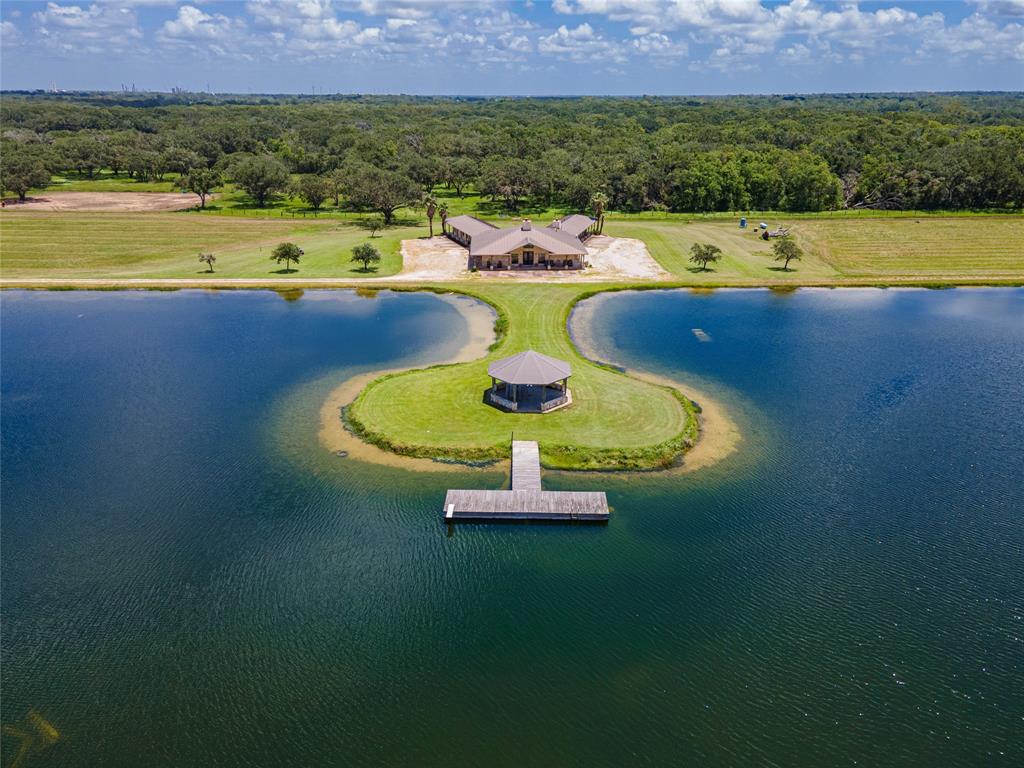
(615, 422)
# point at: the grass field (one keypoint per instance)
(439, 412)
(838, 251)
(941, 247)
(46, 244)
(165, 245)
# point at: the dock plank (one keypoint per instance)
(527, 500)
(525, 465)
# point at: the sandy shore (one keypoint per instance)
(719, 434)
(335, 437)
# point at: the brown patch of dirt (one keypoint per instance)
(106, 201)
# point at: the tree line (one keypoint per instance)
(716, 154)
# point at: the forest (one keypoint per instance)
(783, 153)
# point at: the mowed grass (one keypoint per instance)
(42, 244)
(840, 250)
(615, 421)
(746, 258)
(941, 247)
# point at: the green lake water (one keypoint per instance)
(189, 579)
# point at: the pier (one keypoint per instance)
(527, 500)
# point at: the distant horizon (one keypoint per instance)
(514, 47)
(395, 94)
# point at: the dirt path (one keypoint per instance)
(110, 202)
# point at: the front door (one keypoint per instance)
(527, 258)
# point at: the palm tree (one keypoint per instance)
(442, 209)
(430, 203)
(598, 202)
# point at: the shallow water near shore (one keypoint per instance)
(190, 578)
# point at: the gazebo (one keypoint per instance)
(529, 382)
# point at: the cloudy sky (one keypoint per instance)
(514, 46)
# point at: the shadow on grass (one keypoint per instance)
(282, 271)
(698, 270)
(781, 269)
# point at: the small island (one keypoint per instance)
(448, 412)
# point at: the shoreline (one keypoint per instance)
(940, 282)
(718, 435)
(335, 436)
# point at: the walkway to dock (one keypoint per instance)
(526, 500)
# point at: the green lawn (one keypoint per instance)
(992, 246)
(949, 248)
(615, 421)
(40, 244)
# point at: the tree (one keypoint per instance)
(260, 176)
(366, 253)
(177, 160)
(599, 202)
(442, 210)
(381, 190)
(20, 171)
(507, 178)
(704, 253)
(313, 189)
(336, 182)
(430, 204)
(785, 249)
(458, 172)
(374, 223)
(208, 259)
(286, 252)
(200, 181)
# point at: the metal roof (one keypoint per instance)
(574, 225)
(471, 225)
(530, 367)
(497, 242)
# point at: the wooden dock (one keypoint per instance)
(526, 500)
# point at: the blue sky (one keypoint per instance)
(514, 47)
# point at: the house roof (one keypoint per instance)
(497, 242)
(471, 225)
(530, 367)
(574, 225)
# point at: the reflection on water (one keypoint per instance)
(190, 579)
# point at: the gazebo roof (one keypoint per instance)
(530, 367)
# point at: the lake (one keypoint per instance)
(189, 578)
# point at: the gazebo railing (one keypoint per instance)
(502, 402)
(547, 405)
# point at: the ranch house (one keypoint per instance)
(559, 245)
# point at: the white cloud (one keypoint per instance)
(580, 44)
(97, 28)
(740, 31)
(192, 24)
(9, 34)
(657, 44)
(1000, 7)
(724, 35)
(978, 36)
